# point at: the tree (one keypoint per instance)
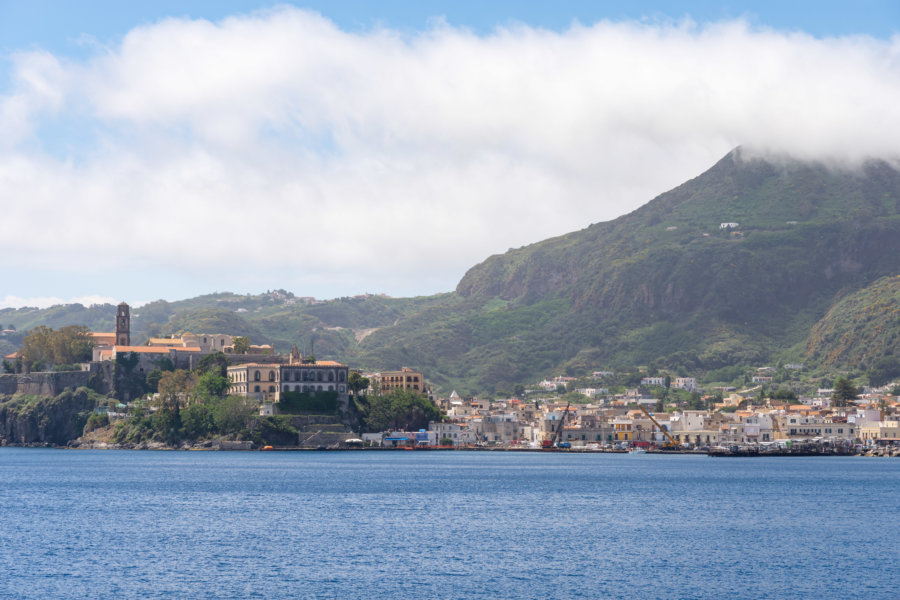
(574, 398)
(175, 387)
(400, 409)
(883, 371)
(241, 345)
(357, 383)
(129, 383)
(844, 392)
(153, 378)
(44, 347)
(784, 394)
(231, 414)
(216, 363)
(519, 390)
(211, 385)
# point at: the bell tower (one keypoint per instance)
(123, 325)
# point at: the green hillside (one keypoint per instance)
(861, 330)
(663, 286)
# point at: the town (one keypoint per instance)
(599, 412)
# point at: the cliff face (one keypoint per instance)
(45, 420)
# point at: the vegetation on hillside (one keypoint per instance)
(663, 286)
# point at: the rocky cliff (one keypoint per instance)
(45, 420)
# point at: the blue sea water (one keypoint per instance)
(132, 524)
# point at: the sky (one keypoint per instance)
(169, 149)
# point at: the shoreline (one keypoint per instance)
(210, 446)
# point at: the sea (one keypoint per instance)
(177, 524)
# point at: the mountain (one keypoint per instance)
(666, 285)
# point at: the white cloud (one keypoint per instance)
(46, 301)
(290, 150)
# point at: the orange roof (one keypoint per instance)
(95, 334)
(153, 349)
(12, 356)
(264, 365)
(165, 341)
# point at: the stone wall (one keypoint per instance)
(52, 383)
(9, 384)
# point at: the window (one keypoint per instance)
(272, 388)
(271, 375)
(319, 378)
(330, 375)
(256, 388)
(256, 376)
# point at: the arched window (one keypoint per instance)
(319, 377)
(271, 375)
(341, 389)
(330, 388)
(272, 388)
(320, 388)
(287, 388)
(341, 376)
(256, 388)
(330, 375)
(256, 376)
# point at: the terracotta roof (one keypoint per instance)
(153, 349)
(12, 356)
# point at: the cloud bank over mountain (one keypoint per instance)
(275, 148)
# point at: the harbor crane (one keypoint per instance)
(555, 441)
(671, 443)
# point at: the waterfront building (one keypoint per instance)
(266, 382)
(404, 379)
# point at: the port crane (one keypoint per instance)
(671, 443)
(554, 442)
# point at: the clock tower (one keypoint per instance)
(123, 325)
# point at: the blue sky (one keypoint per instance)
(58, 26)
(168, 149)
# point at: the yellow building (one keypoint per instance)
(404, 379)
